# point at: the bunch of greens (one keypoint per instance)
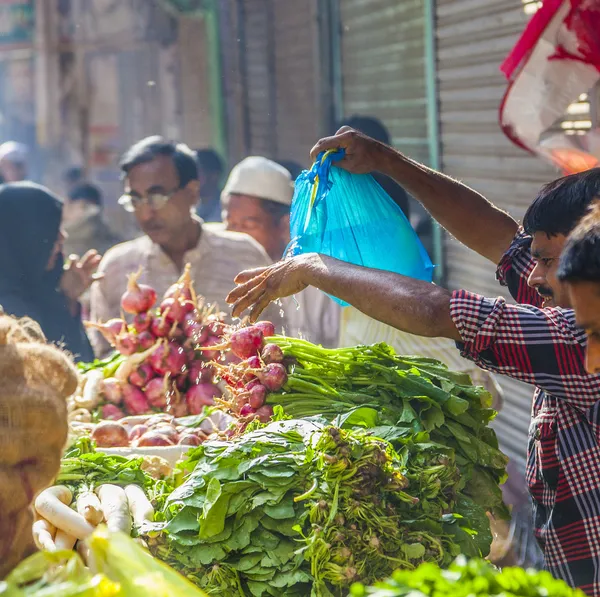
(82, 468)
(404, 399)
(297, 508)
(464, 578)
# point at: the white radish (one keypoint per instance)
(64, 541)
(52, 504)
(86, 554)
(115, 508)
(91, 395)
(88, 505)
(43, 534)
(139, 505)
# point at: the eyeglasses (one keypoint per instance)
(153, 200)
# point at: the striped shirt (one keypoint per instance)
(545, 348)
(218, 257)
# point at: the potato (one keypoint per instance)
(154, 438)
(189, 439)
(109, 434)
(137, 431)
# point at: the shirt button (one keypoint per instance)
(537, 434)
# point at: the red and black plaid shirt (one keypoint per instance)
(545, 348)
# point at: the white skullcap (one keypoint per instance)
(13, 152)
(260, 177)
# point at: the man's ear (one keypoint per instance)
(193, 189)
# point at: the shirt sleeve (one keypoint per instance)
(542, 347)
(514, 269)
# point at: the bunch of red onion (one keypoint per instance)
(178, 336)
(260, 371)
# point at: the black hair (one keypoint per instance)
(561, 204)
(275, 210)
(580, 259)
(150, 148)
(86, 192)
(294, 168)
(369, 125)
(73, 175)
(209, 161)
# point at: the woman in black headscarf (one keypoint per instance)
(31, 266)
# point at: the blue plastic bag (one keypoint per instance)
(350, 217)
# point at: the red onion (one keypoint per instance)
(138, 297)
(137, 431)
(111, 412)
(258, 395)
(135, 400)
(156, 392)
(264, 413)
(246, 410)
(161, 327)
(173, 310)
(200, 371)
(273, 376)
(169, 357)
(195, 331)
(271, 353)
(142, 375)
(142, 322)
(109, 330)
(266, 327)
(127, 344)
(189, 439)
(201, 395)
(154, 438)
(211, 355)
(183, 287)
(146, 340)
(112, 390)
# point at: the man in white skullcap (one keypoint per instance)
(256, 200)
(13, 161)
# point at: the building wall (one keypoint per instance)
(473, 38)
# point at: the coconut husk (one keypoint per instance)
(35, 380)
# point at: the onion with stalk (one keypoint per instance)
(109, 330)
(138, 298)
(244, 343)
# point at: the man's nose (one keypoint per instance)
(592, 356)
(537, 277)
(144, 212)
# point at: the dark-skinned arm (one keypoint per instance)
(463, 212)
(409, 305)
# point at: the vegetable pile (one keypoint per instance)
(162, 358)
(474, 578)
(298, 504)
(94, 488)
(416, 403)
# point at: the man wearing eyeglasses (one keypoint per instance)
(161, 190)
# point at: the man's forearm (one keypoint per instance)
(409, 305)
(463, 212)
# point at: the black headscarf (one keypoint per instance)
(30, 219)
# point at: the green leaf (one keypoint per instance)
(214, 510)
(414, 551)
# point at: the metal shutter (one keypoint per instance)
(295, 41)
(473, 38)
(383, 48)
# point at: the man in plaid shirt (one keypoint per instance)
(536, 341)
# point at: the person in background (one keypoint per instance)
(13, 162)
(73, 177)
(256, 200)
(84, 224)
(33, 281)
(210, 172)
(161, 189)
(579, 271)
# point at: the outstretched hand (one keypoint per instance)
(259, 287)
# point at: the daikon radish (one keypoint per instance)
(91, 395)
(52, 504)
(139, 505)
(86, 554)
(88, 505)
(64, 541)
(115, 508)
(43, 534)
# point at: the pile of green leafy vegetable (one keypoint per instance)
(83, 468)
(298, 508)
(467, 578)
(404, 400)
